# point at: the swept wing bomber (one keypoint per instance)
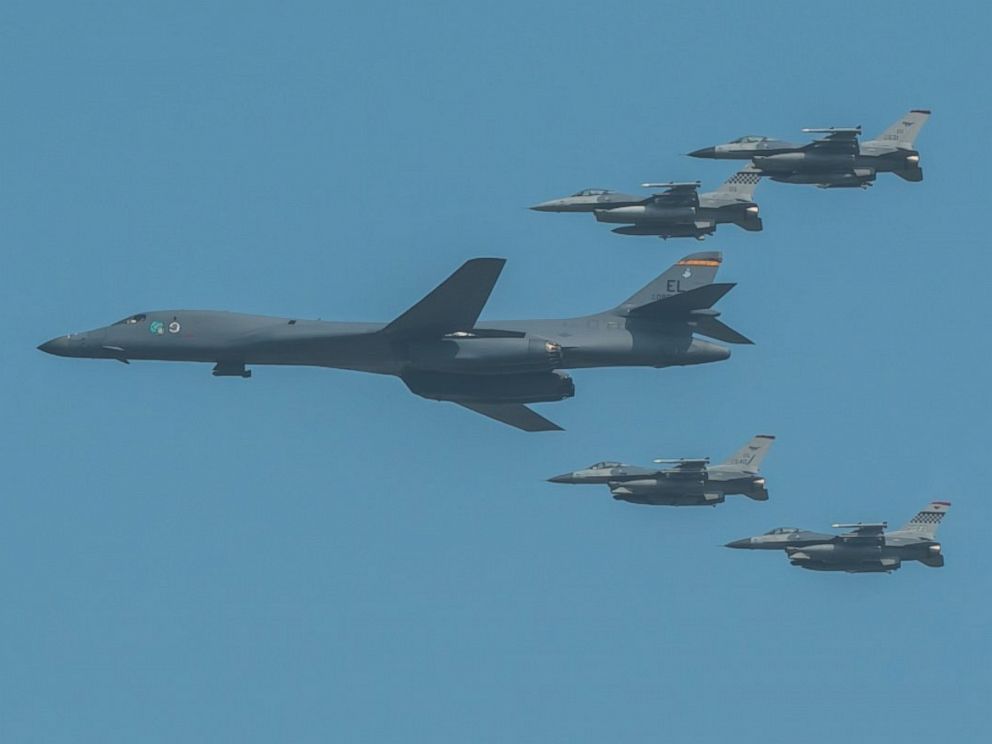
(866, 548)
(837, 160)
(687, 482)
(438, 347)
(678, 211)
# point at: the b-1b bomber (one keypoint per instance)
(866, 548)
(438, 347)
(678, 211)
(688, 482)
(838, 160)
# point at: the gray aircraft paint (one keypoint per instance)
(438, 347)
(691, 482)
(866, 548)
(837, 160)
(678, 211)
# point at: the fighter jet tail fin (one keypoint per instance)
(926, 521)
(693, 271)
(741, 185)
(750, 456)
(454, 305)
(902, 133)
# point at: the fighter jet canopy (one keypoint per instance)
(605, 464)
(749, 139)
(783, 531)
(593, 192)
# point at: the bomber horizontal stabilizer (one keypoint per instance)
(680, 305)
(514, 414)
(713, 328)
(454, 305)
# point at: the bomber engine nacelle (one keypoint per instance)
(474, 355)
(533, 387)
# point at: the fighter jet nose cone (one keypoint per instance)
(57, 346)
(543, 207)
(745, 543)
(705, 152)
(563, 478)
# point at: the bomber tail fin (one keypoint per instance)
(902, 133)
(749, 457)
(693, 271)
(926, 521)
(686, 293)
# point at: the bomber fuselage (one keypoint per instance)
(232, 338)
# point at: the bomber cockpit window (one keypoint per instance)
(592, 192)
(132, 320)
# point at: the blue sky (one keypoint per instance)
(316, 555)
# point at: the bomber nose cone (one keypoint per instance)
(745, 543)
(57, 346)
(704, 152)
(563, 478)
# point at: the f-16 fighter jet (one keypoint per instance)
(838, 160)
(678, 211)
(867, 548)
(439, 348)
(687, 483)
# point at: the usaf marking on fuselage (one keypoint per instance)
(679, 211)
(838, 160)
(689, 482)
(867, 548)
(438, 347)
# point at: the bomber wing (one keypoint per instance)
(454, 305)
(514, 414)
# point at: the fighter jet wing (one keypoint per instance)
(454, 305)
(863, 533)
(837, 141)
(514, 414)
(685, 465)
(675, 194)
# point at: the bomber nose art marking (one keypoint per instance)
(157, 327)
